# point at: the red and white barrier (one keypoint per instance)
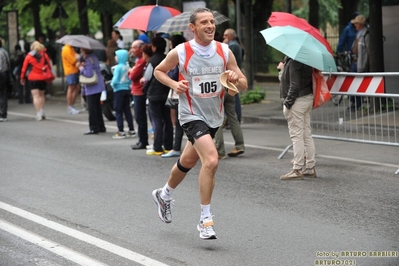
(355, 84)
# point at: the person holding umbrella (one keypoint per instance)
(297, 94)
(201, 62)
(88, 67)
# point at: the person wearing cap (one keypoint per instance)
(361, 51)
(348, 36)
(201, 62)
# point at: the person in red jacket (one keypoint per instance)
(35, 64)
(139, 98)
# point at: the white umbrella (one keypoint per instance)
(81, 41)
(180, 22)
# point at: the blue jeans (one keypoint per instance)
(140, 113)
(162, 123)
(122, 101)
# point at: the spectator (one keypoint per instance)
(87, 67)
(296, 90)
(230, 37)
(32, 70)
(52, 54)
(23, 95)
(71, 72)
(116, 36)
(361, 52)
(122, 96)
(178, 134)
(5, 68)
(110, 52)
(157, 94)
(143, 36)
(347, 36)
(231, 116)
(139, 97)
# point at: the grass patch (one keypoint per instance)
(253, 96)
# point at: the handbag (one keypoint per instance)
(321, 93)
(173, 100)
(89, 80)
(48, 75)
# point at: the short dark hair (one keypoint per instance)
(177, 39)
(147, 50)
(193, 16)
(27, 47)
(159, 43)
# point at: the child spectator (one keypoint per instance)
(122, 96)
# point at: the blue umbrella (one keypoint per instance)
(300, 46)
(146, 18)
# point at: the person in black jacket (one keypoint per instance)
(297, 94)
(157, 94)
(23, 91)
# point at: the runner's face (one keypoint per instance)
(204, 28)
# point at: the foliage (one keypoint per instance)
(253, 96)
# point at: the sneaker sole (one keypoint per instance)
(154, 197)
(211, 237)
(292, 178)
(235, 154)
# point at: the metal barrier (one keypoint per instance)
(375, 119)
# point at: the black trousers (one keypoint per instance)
(3, 94)
(96, 120)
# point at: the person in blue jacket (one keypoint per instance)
(122, 96)
(347, 37)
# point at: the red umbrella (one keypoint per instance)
(147, 18)
(287, 19)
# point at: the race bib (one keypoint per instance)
(206, 86)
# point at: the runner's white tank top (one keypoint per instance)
(201, 67)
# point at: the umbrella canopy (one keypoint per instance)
(180, 22)
(146, 18)
(287, 19)
(81, 41)
(300, 46)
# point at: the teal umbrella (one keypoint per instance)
(300, 46)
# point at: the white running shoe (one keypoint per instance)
(205, 227)
(164, 208)
(72, 110)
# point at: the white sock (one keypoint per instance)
(167, 192)
(205, 211)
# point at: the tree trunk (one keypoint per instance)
(106, 25)
(36, 20)
(248, 43)
(314, 13)
(376, 37)
(345, 13)
(83, 17)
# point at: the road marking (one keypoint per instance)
(344, 159)
(51, 246)
(59, 120)
(120, 251)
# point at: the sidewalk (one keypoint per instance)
(268, 111)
